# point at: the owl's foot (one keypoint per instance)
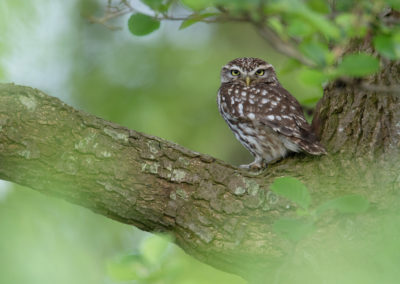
(258, 164)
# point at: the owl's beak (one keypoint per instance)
(248, 81)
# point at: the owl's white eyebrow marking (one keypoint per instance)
(240, 106)
(232, 67)
(265, 66)
(271, 117)
(251, 115)
(264, 101)
(264, 92)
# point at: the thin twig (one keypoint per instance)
(129, 9)
(281, 46)
(379, 88)
(268, 34)
(395, 89)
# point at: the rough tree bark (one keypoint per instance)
(218, 213)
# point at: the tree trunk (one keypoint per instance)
(217, 213)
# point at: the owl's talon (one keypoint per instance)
(246, 167)
(256, 165)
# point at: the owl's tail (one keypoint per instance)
(310, 145)
(314, 148)
(308, 141)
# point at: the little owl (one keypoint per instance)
(264, 116)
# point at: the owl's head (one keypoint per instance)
(248, 71)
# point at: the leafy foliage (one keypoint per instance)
(195, 18)
(142, 265)
(388, 45)
(157, 5)
(313, 32)
(292, 189)
(159, 261)
(140, 24)
(358, 65)
(296, 229)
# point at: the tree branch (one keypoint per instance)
(219, 214)
(285, 48)
(281, 46)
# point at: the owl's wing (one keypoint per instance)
(290, 121)
(297, 132)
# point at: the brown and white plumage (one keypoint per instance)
(264, 116)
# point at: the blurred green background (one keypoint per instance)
(164, 84)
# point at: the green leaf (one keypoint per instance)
(395, 4)
(387, 46)
(357, 65)
(140, 24)
(343, 5)
(153, 248)
(154, 4)
(276, 25)
(195, 18)
(345, 19)
(298, 9)
(312, 77)
(289, 66)
(293, 229)
(299, 28)
(292, 189)
(328, 29)
(129, 267)
(352, 25)
(197, 5)
(188, 23)
(318, 6)
(351, 203)
(316, 51)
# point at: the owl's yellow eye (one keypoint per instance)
(260, 72)
(235, 72)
